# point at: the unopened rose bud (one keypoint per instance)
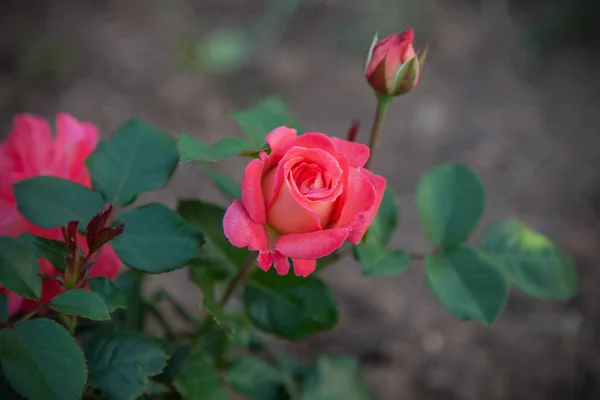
(392, 66)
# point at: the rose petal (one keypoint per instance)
(75, 141)
(282, 264)
(30, 146)
(252, 195)
(14, 301)
(358, 200)
(379, 184)
(265, 260)
(277, 139)
(356, 153)
(313, 140)
(241, 231)
(313, 245)
(304, 267)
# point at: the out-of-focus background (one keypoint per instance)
(510, 87)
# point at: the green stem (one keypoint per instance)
(69, 321)
(382, 105)
(30, 314)
(237, 280)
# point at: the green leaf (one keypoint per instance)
(41, 361)
(191, 149)
(120, 364)
(156, 239)
(385, 221)
(532, 262)
(373, 253)
(51, 202)
(224, 183)
(136, 158)
(81, 303)
(3, 308)
(450, 201)
(132, 318)
(255, 378)
(335, 378)
(378, 260)
(19, 269)
(200, 380)
(467, 284)
(217, 255)
(52, 250)
(288, 306)
(112, 296)
(261, 119)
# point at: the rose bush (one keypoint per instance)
(31, 150)
(303, 200)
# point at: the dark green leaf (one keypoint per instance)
(81, 303)
(261, 119)
(335, 378)
(373, 253)
(41, 361)
(385, 221)
(467, 284)
(217, 255)
(191, 149)
(113, 297)
(289, 306)
(224, 183)
(51, 202)
(450, 201)
(132, 318)
(136, 158)
(178, 354)
(120, 364)
(156, 239)
(19, 269)
(255, 378)
(200, 380)
(378, 260)
(52, 250)
(3, 308)
(532, 262)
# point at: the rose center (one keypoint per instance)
(311, 178)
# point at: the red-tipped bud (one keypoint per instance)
(392, 66)
(70, 235)
(353, 131)
(97, 233)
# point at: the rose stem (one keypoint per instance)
(382, 105)
(239, 278)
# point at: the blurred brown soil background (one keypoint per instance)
(510, 87)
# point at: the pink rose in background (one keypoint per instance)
(303, 200)
(31, 150)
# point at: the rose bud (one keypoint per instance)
(392, 66)
(303, 200)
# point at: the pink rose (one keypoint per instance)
(31, 150)
(303, 200)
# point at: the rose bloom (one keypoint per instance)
(31, 150)
(303, 200)
(385, 63)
